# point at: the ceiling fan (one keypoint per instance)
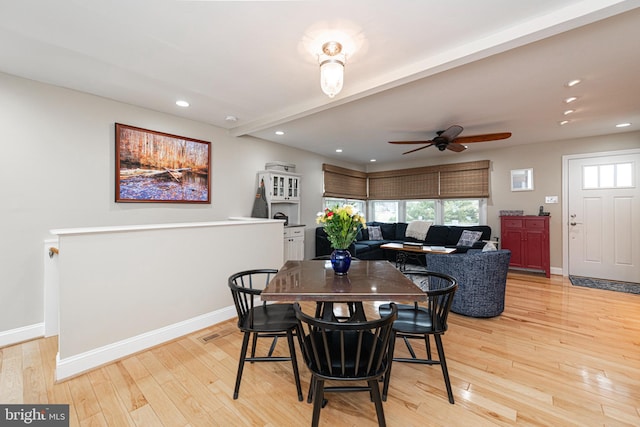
(448, 139)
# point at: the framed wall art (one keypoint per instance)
(522, 179)
(158, 167)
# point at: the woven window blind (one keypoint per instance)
(470, 179)
(403, 184)
(344, 183)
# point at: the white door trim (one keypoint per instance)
(565, 196)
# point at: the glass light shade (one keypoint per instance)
(331, 76)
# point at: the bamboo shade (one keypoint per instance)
(469, 183)
(470, 179)
(421, 186)
(344, 183)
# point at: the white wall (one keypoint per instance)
(124, 289)
(57, 167)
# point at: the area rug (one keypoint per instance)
(610, 285)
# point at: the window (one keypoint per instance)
(440, 211)
(384, 211)
(420, 210)
(332, 202)
(461, 212)
(618, 175)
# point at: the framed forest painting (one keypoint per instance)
(158, 167)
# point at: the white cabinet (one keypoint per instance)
(294, 243)
(282, 191)
(282, 186)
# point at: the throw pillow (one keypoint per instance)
(375, 233)
(418, 229)
(468, 238)
(489, 247)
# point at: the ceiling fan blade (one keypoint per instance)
(482, 138)
(451, 133)
(454, 146)
(410, 142)
(417, 149)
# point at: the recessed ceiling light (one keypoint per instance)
(566, 113)
(231, 118)
(338, 150)
(574, 82)
(570, 99)
(564, 122)
(372, 160)
(279, 132)
(623, 125)
(181, 103)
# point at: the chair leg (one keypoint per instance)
(427, 343)
(375, 394)
(318, 397)
(409, 347)
(387, 374)
(243, 355)
(253, 345)
(443, 365)
(294, 363)
(273, 346)
(312, 385)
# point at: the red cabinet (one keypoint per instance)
(527, 237)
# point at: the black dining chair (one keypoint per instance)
(261, 320)
(421, 321)
(346, 352)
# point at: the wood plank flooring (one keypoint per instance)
(558, 356)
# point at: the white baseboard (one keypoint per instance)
(18, 335)
(556, 270)
(74, 365)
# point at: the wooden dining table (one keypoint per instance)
(365, 281)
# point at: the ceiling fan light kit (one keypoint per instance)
(450, 140)
(331, 68)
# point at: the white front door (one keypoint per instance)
(604, 216)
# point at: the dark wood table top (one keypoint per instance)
(316, 281)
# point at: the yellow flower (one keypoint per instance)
(341, 224)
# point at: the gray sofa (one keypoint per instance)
(482, 280)
(437, 235)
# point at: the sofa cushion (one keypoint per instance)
(375, 232)
(388, 230)
(401, 231)
(468, 238)
(437, 236)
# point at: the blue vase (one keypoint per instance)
(340, 261)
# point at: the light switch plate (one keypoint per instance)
(551, 199)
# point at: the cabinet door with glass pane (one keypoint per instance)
(285, 187)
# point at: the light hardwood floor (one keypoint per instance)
(558, 356)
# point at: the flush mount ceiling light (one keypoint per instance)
(570, 99)
(331, 68)
(574, 82)
(182, 103)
